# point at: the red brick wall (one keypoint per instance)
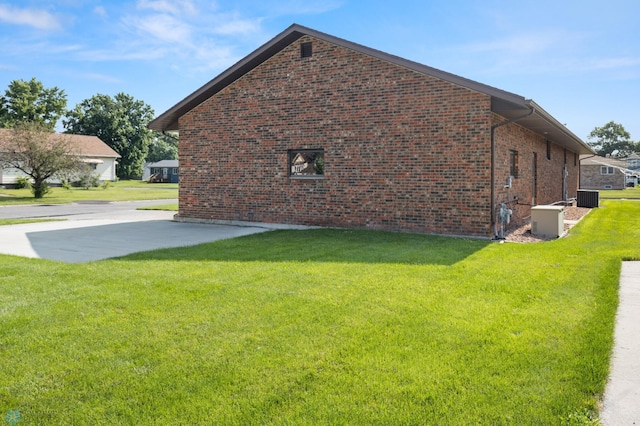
(549, 171)
(403, 151)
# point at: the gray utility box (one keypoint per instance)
(547, 221)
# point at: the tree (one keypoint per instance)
(611, 139)
(120, 122)
(39, 154)
(29, 101)
(163, 147)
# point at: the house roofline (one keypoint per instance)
(503, 103)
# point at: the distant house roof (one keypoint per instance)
(164, 163)
(85, 146)
(508, 105)
(603, 161)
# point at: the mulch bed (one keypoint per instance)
(523, 234)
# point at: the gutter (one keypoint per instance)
(164, 132)
(493, 161)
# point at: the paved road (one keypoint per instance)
(94, 231)
(98, 209)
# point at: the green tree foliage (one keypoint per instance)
(613, 139)
(120, 122)
(39, 154)
(163, 147)
(30, 101)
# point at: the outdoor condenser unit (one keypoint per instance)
(587, 198)
(547, 221)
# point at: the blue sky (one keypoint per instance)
(580, 60)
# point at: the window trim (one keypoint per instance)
(513, 163)
(604, 171)
(293, 153)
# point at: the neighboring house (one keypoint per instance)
(605, 173)
(396, 145)
(633, 162)
(161, 171)
(98, 155)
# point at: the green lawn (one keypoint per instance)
(22, 221)
(169, 207)
(627, 193)
(319, 327)
(127, 190)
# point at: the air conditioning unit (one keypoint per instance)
(547, 221)
(587, 198)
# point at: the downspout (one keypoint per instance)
(493, 161)
(580, 167)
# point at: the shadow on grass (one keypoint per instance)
(325, 245)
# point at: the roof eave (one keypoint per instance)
(504, 103)
(540, 122)
(559, 133)
(168, 121)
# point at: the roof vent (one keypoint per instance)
(305, 50)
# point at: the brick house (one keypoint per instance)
(396, 145)
(603, 173)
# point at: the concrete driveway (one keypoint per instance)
(95, 231)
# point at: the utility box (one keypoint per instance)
(547, 221)
(587, 198)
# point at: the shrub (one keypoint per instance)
(23, 182)
(89, 180)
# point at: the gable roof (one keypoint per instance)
(163, 163)
(506, 104)
(85, 146)
(602, 161)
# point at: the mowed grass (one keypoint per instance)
(167, 207)
(319, 327)
(23, 221)
(127, 190)
(627, 193)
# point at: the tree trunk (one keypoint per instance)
(40, 188)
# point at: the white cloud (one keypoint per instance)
(100, 77)
(172, 7)
(232, 25)
(301, 7)
(192, 35)
(100, 11)
(161, 28)
(173, 30)
(35, 18)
